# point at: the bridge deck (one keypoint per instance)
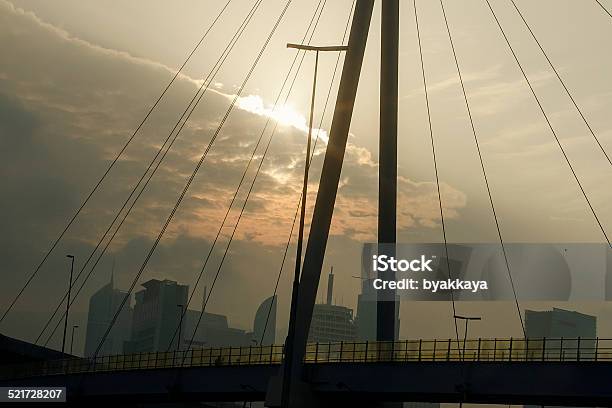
(447, 350)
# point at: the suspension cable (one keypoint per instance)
(482, 166)
(112, 164)
(562, 82)
(242, 179)
(435, 163)
(549, 124)
(183, 118)
(191, 178)
(603, 8)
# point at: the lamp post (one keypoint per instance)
(298, 258)
(180, 332)
(72, 337)
(467, 320)
(68, 302)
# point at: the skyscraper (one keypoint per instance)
(264, 325)
(367, 300)
(157, 316)
(332, 323)
(102, 308)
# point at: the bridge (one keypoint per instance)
(546, 371)
(509, 371)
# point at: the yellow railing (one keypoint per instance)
(447, 350)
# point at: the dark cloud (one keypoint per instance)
(17, 124)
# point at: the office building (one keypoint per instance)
(102, 308)
(559, 323)
(156, 317)
(332, 323)
(366, 312)
(367, 302)
(212, 331)
(264, 324)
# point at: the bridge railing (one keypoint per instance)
(448, 350)
(221, 356)
(482, 350)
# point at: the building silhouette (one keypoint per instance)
(157, 316)
(366, 312)
(367, 301)
(557, 323)
(213, 330)
(563, 324)
(264, 324)
(102, 307)
(332, 323)
(155, 322)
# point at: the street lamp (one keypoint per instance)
(72, 337)
(180, 332)
(298, 258)
(467, 320)
(68, 302)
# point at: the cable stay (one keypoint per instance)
(552, 129)
(562, 83)
(435, 163)
(604, 8)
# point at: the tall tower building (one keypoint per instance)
(102, 308)
(264, 325)
(332, 323)
(367, 300)
(157, 315)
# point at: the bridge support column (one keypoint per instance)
(386, 308)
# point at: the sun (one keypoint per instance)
(285, 115)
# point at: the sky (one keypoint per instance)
(78, 76)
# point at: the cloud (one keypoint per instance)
(9, 10)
